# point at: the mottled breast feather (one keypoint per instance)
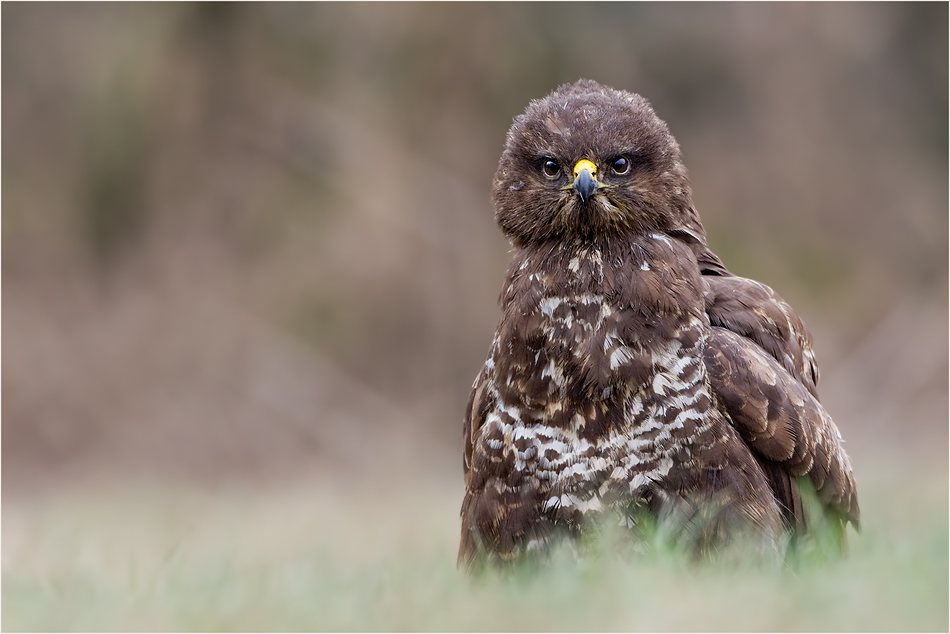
(595, 399)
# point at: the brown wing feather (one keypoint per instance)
(474, 418)
(787, 493)
(753, 310)
(782, 423)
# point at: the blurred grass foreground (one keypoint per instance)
(250, 269)
(307, 558)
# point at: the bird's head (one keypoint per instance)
(589, 162)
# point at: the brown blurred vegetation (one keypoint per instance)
(248, 240)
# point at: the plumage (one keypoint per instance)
(631, 373)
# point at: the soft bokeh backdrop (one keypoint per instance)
(251, 245)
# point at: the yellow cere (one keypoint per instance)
(584, 164)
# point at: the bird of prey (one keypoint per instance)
(632, 375)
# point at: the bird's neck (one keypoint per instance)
(651, 272)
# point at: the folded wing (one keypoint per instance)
(787, 428)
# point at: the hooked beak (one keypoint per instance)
(585, 181)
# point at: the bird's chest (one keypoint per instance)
(599, 380)
(586, 330)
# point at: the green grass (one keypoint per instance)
(319, 558)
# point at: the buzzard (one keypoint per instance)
(632, 375)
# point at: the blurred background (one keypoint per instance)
(250, 243)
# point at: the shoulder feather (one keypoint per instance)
(753, 310)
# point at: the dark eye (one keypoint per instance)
(550, 168)
(620, 165)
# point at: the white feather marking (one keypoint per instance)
(685, 415)
(549, 305)
(569, 501)
(554, 371)
(512, 411)
(662, 238)
(610, 338)
(522, 432)
(620, 356)
(578, 423)
(638, 481)
(661, 382)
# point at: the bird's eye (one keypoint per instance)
(550, 168)
(620, 165)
